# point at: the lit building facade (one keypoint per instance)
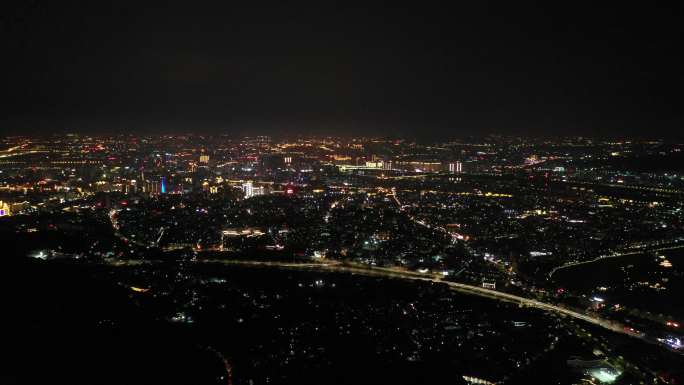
(5, 209)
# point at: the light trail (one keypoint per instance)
(608, 256)
(339, 267)
(335, 266)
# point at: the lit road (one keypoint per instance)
(655, 189)
(620, 254)
(115, 227)
(335, 266)
(471, 289)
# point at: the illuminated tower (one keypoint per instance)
(163, 185)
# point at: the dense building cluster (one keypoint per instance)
(508, 215)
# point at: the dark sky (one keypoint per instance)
(554, 68)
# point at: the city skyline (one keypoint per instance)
(312, 259)
(278, 193)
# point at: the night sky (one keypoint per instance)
(554, 68)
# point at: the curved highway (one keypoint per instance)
(461, 287)
(617, 255)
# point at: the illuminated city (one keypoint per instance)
(243, 193)
(483, 255)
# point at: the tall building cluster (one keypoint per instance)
(250, 190)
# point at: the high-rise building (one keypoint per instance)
(130, 186)
(259, 191)
(163, 185)
(151, 187)
(204, 159)
(5, 209)
(248, 189)
(251, 191)
(455, 167)
(263, 140)
(374, 164)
